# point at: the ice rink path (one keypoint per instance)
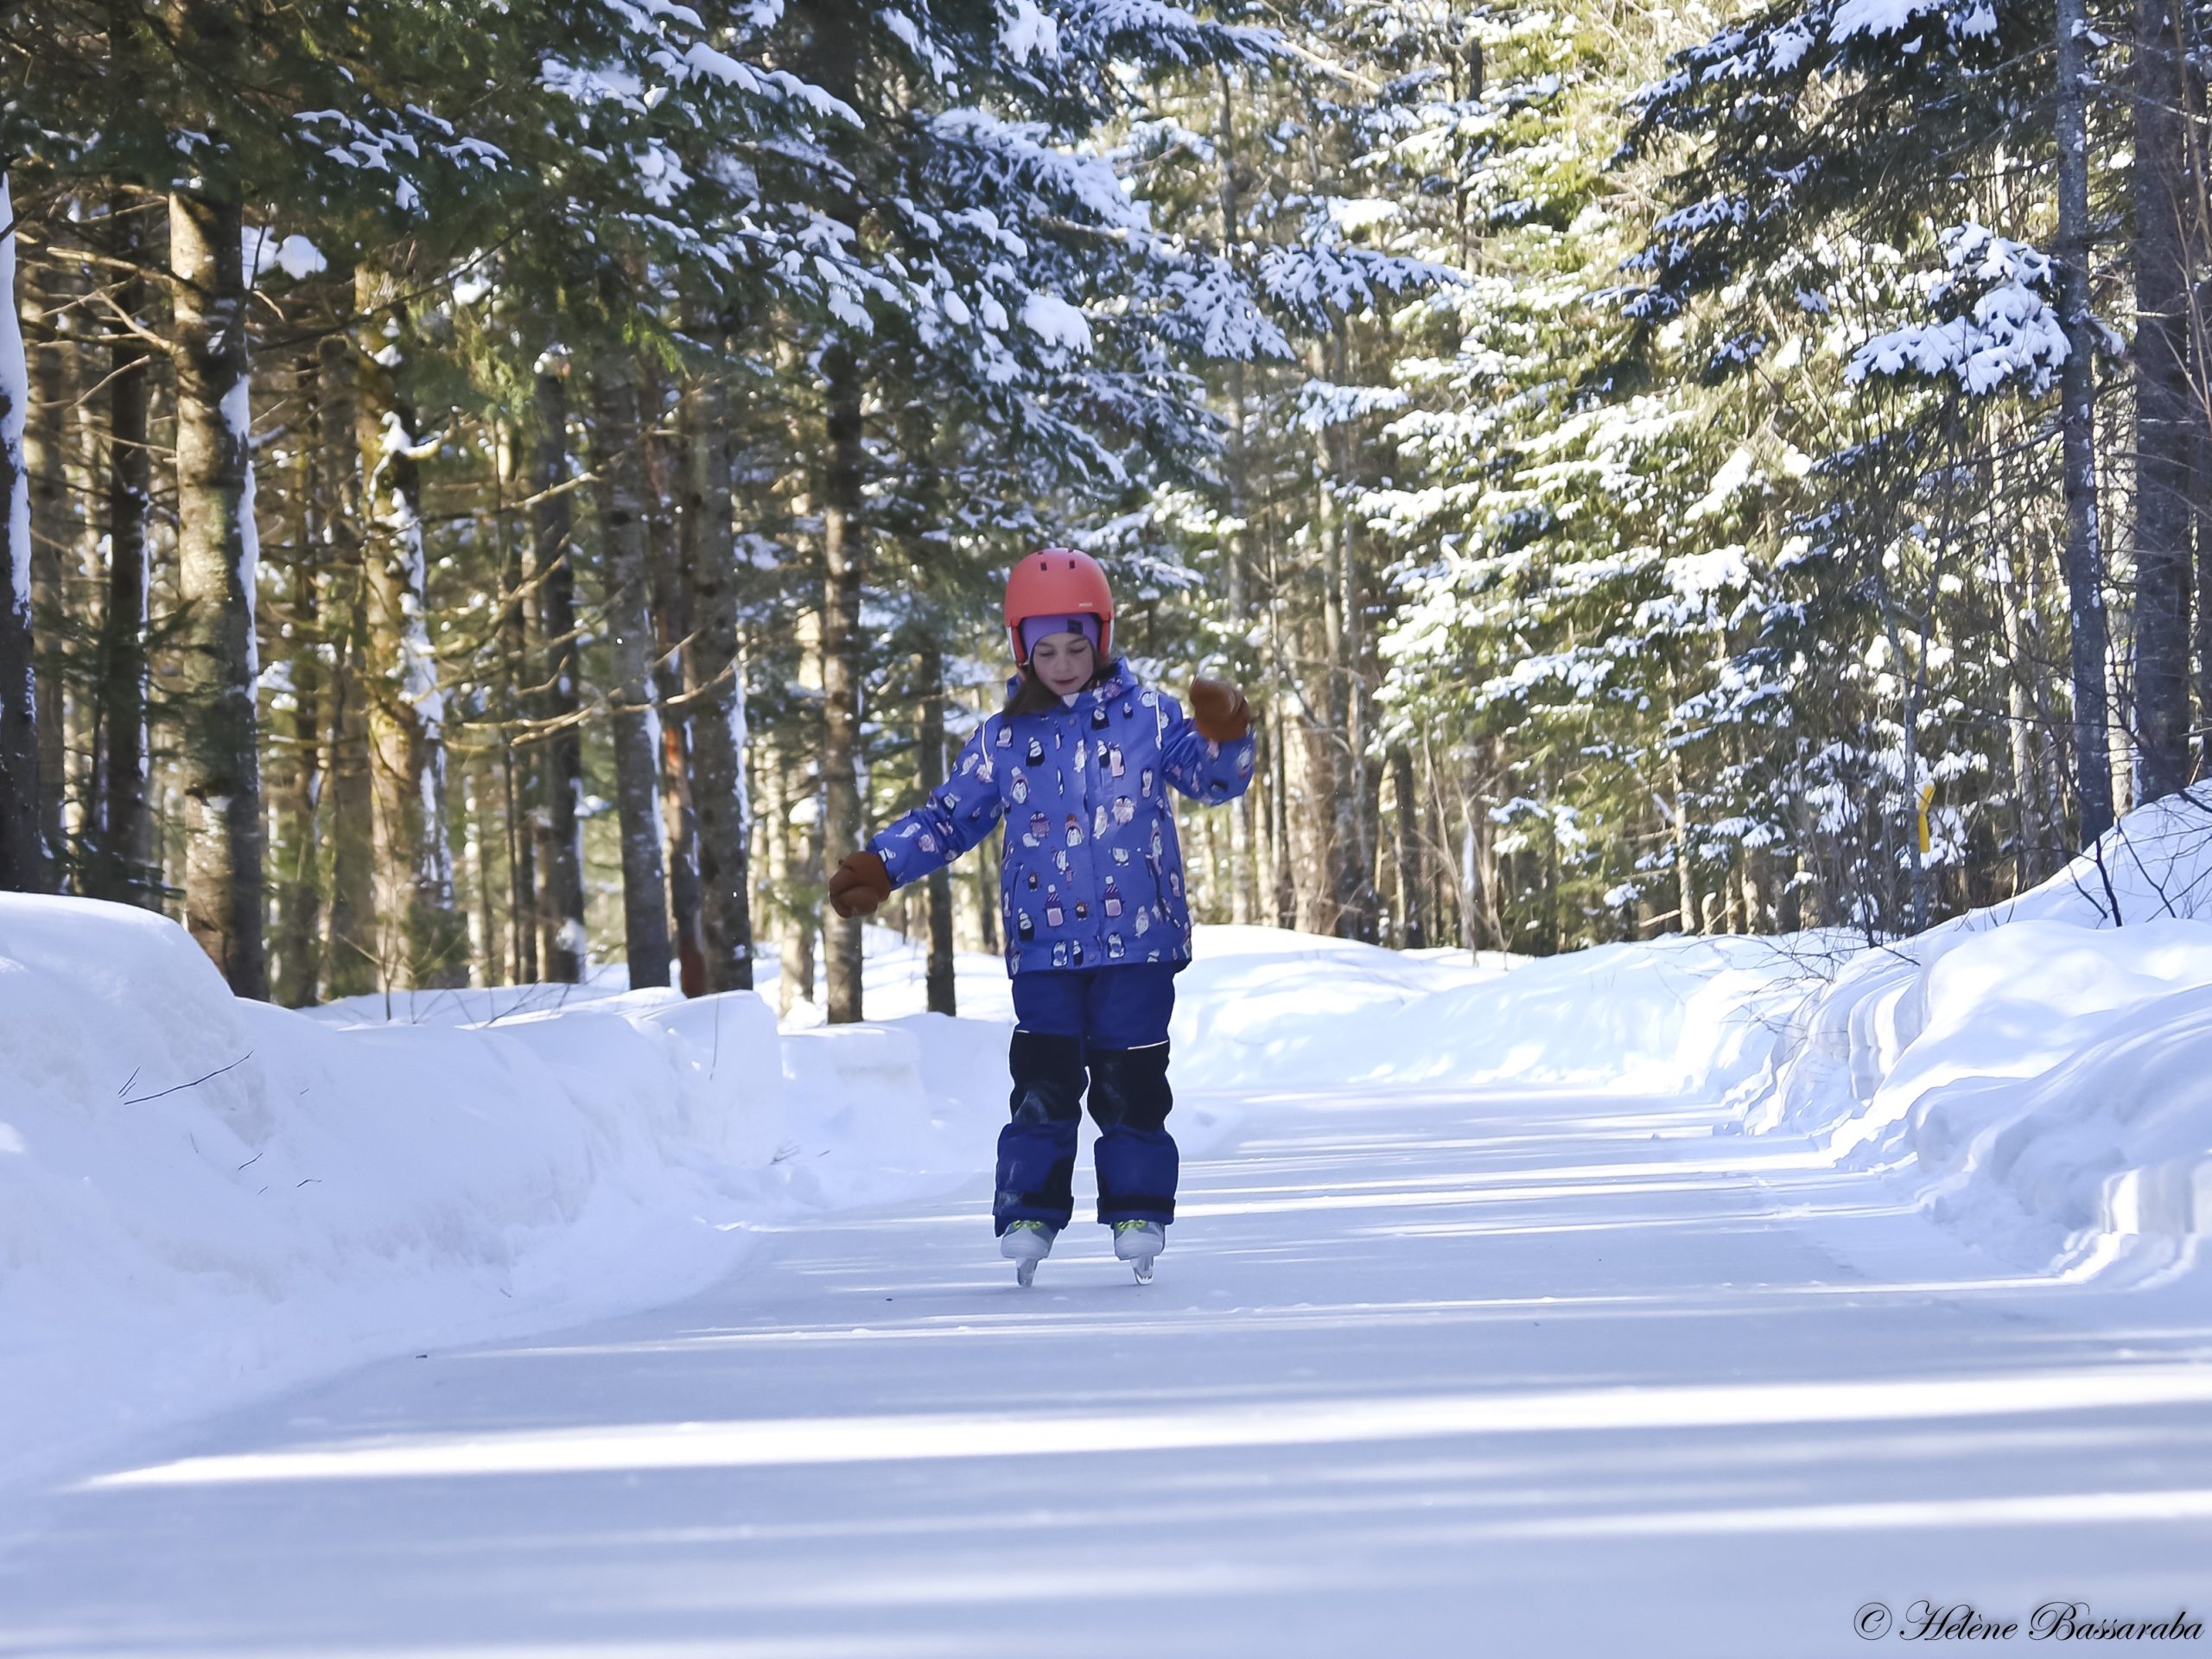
(1422, 1373)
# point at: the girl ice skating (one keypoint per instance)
(1094, 966)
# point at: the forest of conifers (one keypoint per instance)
(494, 487)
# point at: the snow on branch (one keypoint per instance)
(1326, 277)
(2009, 335)
(1884, 17)
(1214, 313)
(1319, 404)
(1015, 160)
(1159, 33)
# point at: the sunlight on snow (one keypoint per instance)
(769, 1441)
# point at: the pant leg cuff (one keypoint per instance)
(1056, 1219)
(1161, 1211)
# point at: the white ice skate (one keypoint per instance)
(1137, 1242)
(1026, 1244)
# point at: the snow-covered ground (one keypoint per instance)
(2038, 1076)
(1701, 1268)
(1425, 1369)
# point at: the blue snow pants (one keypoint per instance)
(1110, 1023)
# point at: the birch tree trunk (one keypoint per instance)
(2089, 624)
(561, 768)
(717, 682)
(629, 630)
(23, 863)
(218, 553)
(423, 937)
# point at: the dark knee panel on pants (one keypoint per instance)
(1048, 1078)
(1128, 1087)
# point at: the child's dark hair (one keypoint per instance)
(1033, 696)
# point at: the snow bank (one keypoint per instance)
(1286, 1010)
(2040, 1072)
(245, 1196)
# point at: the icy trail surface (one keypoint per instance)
(1423, 1371)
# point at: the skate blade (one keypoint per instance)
(1143, 1266)
(1024, 1272)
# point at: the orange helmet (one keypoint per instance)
(1058, 581)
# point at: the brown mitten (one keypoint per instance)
(1220, 711)
(858, 885)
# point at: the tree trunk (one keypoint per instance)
(670, 594)
(2019, 721)
(987, 897)
(844, 555)
(1278, 732)
(483, 920)
(921, 540)
(2165, 406)
(350, 953)
(23, 863)
(2084, 557)
(2201, 504)
(423, 937)
(629, 630)
(1412, 922)
(942, 998)
(1357, 803)
(121, 864)
(798, 830)
(717, 682)
(1685, 897)
(53, 528)
(835, 60)
(299, 893)
(516, 774)
(560, 768)
(1243, 879)
(216, 556)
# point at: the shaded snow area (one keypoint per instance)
(2038, 1076)
(1757, 1282)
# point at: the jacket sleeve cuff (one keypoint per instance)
(886, 848)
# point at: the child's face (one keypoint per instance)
(1063, 661)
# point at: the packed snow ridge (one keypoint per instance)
(257, 1195)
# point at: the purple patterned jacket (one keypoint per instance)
(1092, 874)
